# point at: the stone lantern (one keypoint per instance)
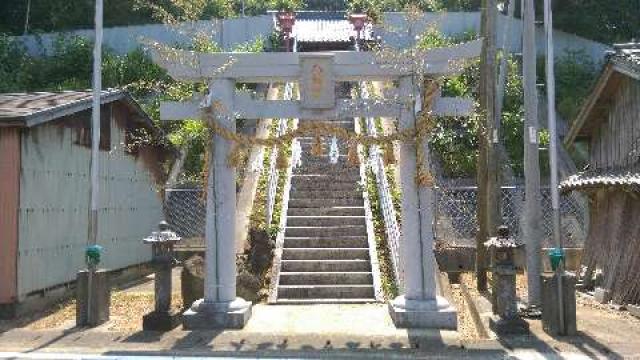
(162, 242)
(358, 21)
(286, 20)
(505, 308)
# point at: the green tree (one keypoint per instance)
(604, 21)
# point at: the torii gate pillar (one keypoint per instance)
(220, 307)
(419, 306)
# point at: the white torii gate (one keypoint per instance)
(317, 73)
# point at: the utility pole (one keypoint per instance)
(553, 153)
(95, 148)
(488, 137)
(502, 76)
(532, 214)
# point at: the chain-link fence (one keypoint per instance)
(456, 220)
(185, 211)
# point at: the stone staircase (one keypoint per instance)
(325, 256)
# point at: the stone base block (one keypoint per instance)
(602, 296)
(551, 305)
(161, 321)
(423, 314)
(207, 316)
(516, 326)
(99, 297)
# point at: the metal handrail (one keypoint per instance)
(272, 183)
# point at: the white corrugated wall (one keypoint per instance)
(54, 200)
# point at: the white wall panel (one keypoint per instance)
(54, 200)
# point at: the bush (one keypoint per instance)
(575, 76)
(13, 59)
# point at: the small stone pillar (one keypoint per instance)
(163, 318)
(558, 297)
(551, 304)
(93, 291)
(506, 319)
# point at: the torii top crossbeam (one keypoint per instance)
(317, 74)
(192, 66)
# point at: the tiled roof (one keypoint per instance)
(629, 52)
(30, 109)
(589, 180)
(627, 57)
(328, 31)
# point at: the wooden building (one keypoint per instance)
(609, 126)
(45, 147)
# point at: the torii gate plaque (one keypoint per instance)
(317, 73)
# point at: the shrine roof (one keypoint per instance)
(328, 30)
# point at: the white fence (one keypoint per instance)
(272, 185)
(230, 32)
(456, 23)
(227, 33)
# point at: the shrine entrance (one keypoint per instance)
(316, 75)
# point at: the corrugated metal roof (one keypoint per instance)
(601, 178)
(30, 109)
(328, 31)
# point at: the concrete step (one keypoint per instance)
(327, 185)
(327, 168)
(324, 177)
(332, 173)
(323, 203)
(324, 242)
(323, 158)
(341, 123)
(325, 231)
(324, 194)
(328, 211)
(325, 254)
(325, 265)
(325, 220)
(325, 291)
(326, 278)
(281, 301)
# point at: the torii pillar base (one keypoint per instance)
(423, 314)
(226, 315)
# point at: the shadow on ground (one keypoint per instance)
(556, 345)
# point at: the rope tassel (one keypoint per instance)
(317, 149)
(282, 163)
(236, 156)
(388, 156)
(352, 154)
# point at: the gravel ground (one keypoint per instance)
(466, 327)
(125, 306)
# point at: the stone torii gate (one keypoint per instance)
(317, 74)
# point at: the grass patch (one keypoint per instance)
(387, 277)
